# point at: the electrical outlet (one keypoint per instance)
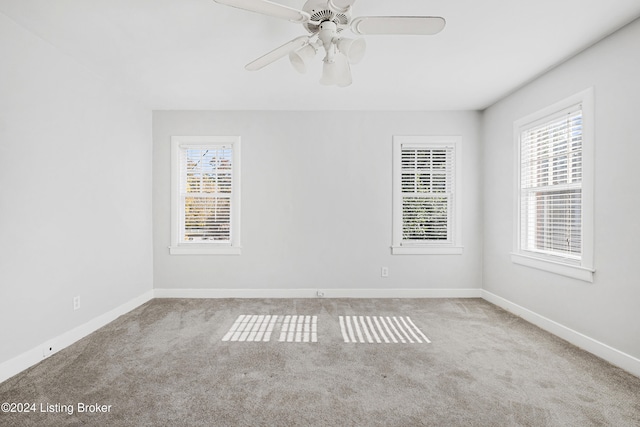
(319, 293)
(384, 272)
(76, 302)
(48, 349)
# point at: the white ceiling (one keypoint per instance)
(190, 54)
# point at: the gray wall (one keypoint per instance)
(607, 309)
(75, 194)
(316, 202)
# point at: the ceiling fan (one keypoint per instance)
(325, 20)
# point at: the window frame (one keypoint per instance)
(454, 244)
(178, 143)
(582, 268)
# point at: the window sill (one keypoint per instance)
(426, 250)
(205, 250)
(574, 271)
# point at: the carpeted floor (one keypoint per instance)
(165, 364)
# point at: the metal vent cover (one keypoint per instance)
(326, 15)
(320, 11)
(322, 15)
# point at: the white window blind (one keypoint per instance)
(551, 185)
(205, 201)
(427, 183)
(206, 193)
(427, 213)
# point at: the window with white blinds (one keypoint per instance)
(554, 219)
(424, 194)
(551, 185)
(206, 195)
(427, 181)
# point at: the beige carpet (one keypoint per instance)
(166, 363)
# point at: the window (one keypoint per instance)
(554, 191)
(205, 195)
(426, 188)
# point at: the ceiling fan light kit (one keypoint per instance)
(353, 48)
(302, 56)
(325, 20)
(336, 72)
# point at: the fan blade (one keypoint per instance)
(269, 8)
(341, 5)
(278, 53)
(418, 25)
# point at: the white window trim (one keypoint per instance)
(582, 269)
(177, 248)
(455, 246)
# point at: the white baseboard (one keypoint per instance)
(35, 355)
(313, 293)
(610, 354)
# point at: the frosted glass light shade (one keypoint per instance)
(301, 57)
(337, 72)
(353, 48)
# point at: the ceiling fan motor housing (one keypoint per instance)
(321, 11)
